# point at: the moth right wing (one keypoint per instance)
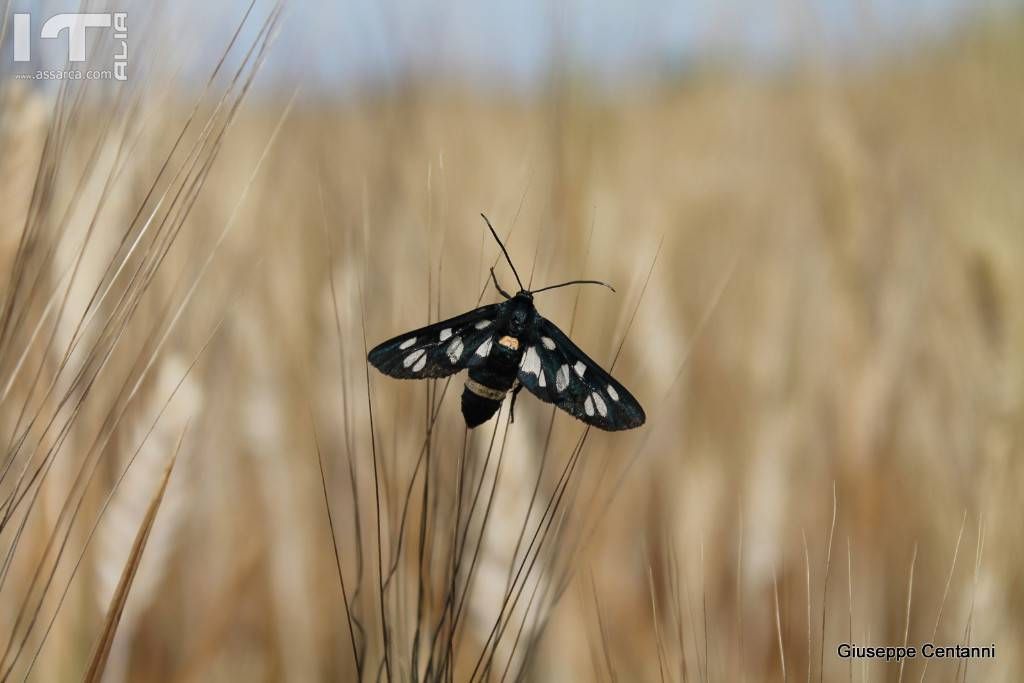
(440, 349)
(555, 370)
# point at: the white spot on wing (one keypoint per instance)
(599, 403)
(543, 381)
(415, 357)
(530, 362)
(548, 343)
(454, 350)
(445, 333)
(483, 324)
(614, 394)
(580, 368)
(562, 378)
(420, 364)
(588, 406)
(484, 348)
(407, 343)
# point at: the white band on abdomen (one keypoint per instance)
(483, 391)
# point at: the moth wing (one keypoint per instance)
(437, 350)
(555, 370)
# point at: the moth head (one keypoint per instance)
(519, 313)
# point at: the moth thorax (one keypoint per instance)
(509, 343)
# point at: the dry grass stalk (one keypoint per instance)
(98, 662)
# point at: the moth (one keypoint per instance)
(507, 346)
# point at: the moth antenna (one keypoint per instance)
(575, 282)
(504, 251)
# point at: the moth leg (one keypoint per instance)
(502, 291)
(512, 406)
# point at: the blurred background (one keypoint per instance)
(812, 215)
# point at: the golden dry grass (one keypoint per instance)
(829, 351)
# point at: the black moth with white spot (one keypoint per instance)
(508, 346)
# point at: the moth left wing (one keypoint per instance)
(555, 370)
(437, 350)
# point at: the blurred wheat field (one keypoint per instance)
(820, 275)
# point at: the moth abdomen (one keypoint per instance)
(486, 387)
(478, 409)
